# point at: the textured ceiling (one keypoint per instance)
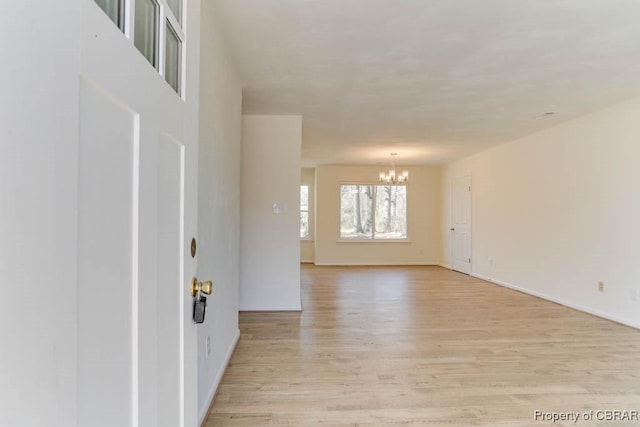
(433, 80)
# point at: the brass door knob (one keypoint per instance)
(205, 287)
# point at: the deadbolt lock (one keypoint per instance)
(194, 247)
(205, 287)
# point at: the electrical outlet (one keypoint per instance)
(601, 286)
(208, 346)
(636, 294)
(491, 262)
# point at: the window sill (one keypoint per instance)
(306, 239)
(374, 241)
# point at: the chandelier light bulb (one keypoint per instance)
(391, 177)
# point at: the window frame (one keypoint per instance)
(169, 28)
(157, 58)
(372, 239)
(168, 19)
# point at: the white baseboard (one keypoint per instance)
(216, 382)
(560, 301)
(270, 308)
(375, 264)
(448, 267)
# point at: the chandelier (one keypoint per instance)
(391, 177)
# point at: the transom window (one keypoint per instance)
(155, 27)
(114, 10)
(373, 212)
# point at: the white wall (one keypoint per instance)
(307, 246)
(218, 204)
(270, 242)
(557, 211)
(423, 219)
(38, 201)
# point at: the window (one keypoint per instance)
(113, 9)
(161, 45)
(172, 55)
(176, 8)
(304, 212)
(373, 212)
(145, 38)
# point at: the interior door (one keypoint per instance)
(137, 196)
(461, 224)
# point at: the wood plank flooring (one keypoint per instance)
(416, 346)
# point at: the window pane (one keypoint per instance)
(146, 29)
(304, 225)
(112, 8)
(304, 212)
(172, 55)
(391, 212)
(176, 8)
(355, 211)
(304, 197)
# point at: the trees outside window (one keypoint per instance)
(304, 212)
(373, 212)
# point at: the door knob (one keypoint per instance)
(205, 287)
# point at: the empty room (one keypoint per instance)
(320, 212)
(496, 282)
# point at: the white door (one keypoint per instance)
(461, 224)
(136, 216)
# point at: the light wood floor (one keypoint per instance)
(417, 346)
